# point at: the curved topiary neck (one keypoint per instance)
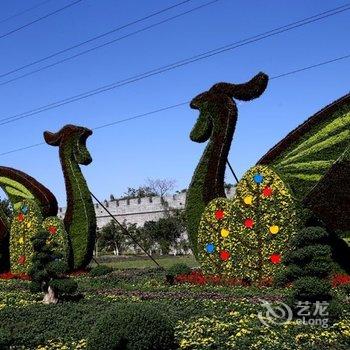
(208, 178)
(79, 220)
(80, 217)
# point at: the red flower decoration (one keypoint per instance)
(225, 255)
(20, 217)
(275, 258)
(52, 230)
(219, 214)
(249, 223)
(267, 191)
(22, 260)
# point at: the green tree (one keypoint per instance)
(112, 237)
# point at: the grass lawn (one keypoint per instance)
(204, 317)
(137, 262)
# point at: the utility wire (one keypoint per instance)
(169, 67)
(94, 38)
(39, 19)
(126, 231)
(105, 44)
(181, 104)
(24, 11)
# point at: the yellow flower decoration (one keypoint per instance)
(274, 229)
(248, 200)
(21, 240)
(224, 233)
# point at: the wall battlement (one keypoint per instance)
(138, 210)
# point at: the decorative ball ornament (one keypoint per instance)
(249, 223)
(267, 191)
(274, 229)
(219, 214)
(258, 178)
(225, 255)
(24, 209)
(210, 248)
(52, 230)
(248, 200)
(22, 260)
(20, 217)
(275, 258)
(224, 233)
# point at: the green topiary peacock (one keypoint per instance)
(248, 235)
(35, 208)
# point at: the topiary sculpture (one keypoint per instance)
(248, 235)
(35, 207)
(80, 217)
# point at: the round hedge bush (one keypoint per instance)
(133, 327)
(178, 269)
(100, 270)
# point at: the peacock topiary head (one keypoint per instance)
(216, 104)
(72, 141)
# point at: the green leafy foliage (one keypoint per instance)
(133, 327)
(311, 258)
(178, 269)
(216, 123)
(80, 218)
(49, 266)
(248, 236)
(100, 270)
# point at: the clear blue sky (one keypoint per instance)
(158, 146)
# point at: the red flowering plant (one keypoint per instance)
(13, 276)
(340, 280)
(197, 277)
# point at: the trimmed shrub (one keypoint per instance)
(133, 327)
(100, 270)
(48, 267)
(312, 256)
(178, 269)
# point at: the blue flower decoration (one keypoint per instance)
(24, 209)
(210, 247)
(258, 178)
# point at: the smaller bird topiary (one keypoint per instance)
(48, 268)
(135, 326)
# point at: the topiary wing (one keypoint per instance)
(314, 157)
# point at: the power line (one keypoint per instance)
(94, 38)
(106, 44)
(24, 11)
(39, 19)
(138, 116)
(169, 67)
